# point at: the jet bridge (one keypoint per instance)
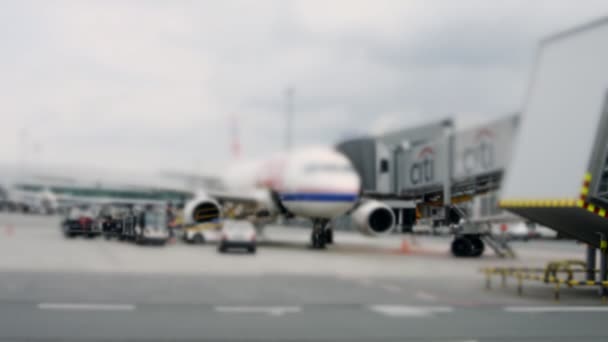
(445, 173)
(559, 174)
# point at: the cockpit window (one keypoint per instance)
(337, 168)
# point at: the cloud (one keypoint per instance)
(155, 84)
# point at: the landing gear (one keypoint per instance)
(320, 235)
(467, 246)
(318, 240)
(329, 236)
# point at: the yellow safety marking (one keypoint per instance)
(584, 191)
(603, 244)
(590, 282)
(591, 208)
(587, 177)
(541, 203)
(602, 212)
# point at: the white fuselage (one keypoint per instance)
(312, 183)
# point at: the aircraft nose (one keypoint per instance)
(355, 182)
(346, 184)
(325, 195)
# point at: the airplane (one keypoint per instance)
(317, 183)
(42, 201)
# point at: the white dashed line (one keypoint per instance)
(542, 309)
(269, 310)
(409, 311)
(365, 282)
(391, 288)
(426, 296)
(86, 307)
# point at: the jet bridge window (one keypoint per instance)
(383, 166)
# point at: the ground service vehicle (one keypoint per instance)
(150, 226)
(110, 219)
(79, 221)
(237, 234)
(198, 234)
(126, 225)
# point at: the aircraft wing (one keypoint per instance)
(209, 183)
(215, 187)
(236, 197)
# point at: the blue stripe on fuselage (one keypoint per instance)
(319, 197)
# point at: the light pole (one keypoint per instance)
(289, 94)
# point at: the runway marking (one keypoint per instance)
(86, 307)
(426, 296)
(269, 310)
(391, 288)
(365, 282)
(409, 311)
(543, 309)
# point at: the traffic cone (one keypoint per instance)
(405, 246)
(8, 230)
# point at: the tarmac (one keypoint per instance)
(395, 288)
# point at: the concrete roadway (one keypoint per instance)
(56, 289)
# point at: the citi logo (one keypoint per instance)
(422, 169)
(480, 156)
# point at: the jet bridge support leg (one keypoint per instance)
(603, 264)
(591, 256)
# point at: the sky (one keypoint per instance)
(161, 84)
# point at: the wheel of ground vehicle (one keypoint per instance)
(478, 246)
(198, 239)
(462, 247)
(90, 236)
(251, 250)
(221, 249)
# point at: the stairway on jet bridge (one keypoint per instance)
(559, 172)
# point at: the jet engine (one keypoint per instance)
(374, 218)
(202, 209)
